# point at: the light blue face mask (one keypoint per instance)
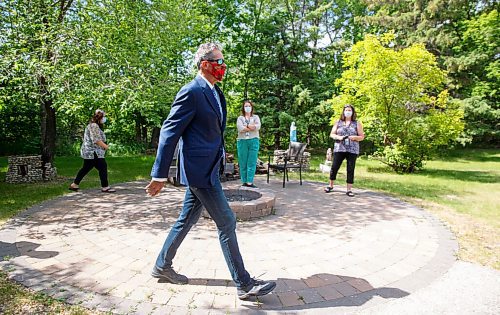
(248, 109)
(103, 120)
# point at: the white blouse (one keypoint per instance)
(242, 122)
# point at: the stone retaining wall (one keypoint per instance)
(28, 169)
(262, 203)
(278, 158)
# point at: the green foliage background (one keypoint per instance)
(131, 57)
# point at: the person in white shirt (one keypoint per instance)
(248, 125)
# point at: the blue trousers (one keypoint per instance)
(248, 151)
(217, 206)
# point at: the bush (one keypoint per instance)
(401, 158)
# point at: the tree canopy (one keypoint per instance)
(59, 61)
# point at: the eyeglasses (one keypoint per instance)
(219, 61)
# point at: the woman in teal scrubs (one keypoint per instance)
(248, 143)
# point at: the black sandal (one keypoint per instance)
(108, 190)
(350, 193)
(328, 189)
(73, 188)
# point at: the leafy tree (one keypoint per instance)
(400, 100)
(70, 57)
(284, 55)
(464, 36)
(136, 59)
(32, 39)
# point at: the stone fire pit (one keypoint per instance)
(247, 203)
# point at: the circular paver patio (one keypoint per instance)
(328, 253)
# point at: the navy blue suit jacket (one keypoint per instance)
(195, 122)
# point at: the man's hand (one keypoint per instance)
(154, 187)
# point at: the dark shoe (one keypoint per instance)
(169, 275)
(108, 190)
(73, 188)
(251, 186)
(258, 288)
(328, 189)
(350, 193)
(244, 185)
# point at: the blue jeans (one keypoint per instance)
(217, 206)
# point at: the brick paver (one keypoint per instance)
(324, 251)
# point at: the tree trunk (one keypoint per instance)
(48, 113)
(144, 134)
(138, 131)
(48, 124)
(308, 136)
(155, 137)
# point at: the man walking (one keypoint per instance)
(197, 121)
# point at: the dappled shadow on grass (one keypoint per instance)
(17, 197)
(423, 190)
(472, 155)
(380, 169)
(467, 176)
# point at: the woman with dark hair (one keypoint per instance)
(347, 132)
(248, 143)
(92, 151)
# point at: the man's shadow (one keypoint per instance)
(16, 249)
(314, 292)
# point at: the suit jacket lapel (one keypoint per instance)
(211, 97)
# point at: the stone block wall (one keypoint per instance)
(278, 159)
(28, 169)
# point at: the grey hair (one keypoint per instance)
(204, 52)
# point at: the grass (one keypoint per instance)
(462, 188)
(15, 299)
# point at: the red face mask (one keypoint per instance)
(218, 73)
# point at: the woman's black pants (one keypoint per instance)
(338, 158)
(88, 165)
